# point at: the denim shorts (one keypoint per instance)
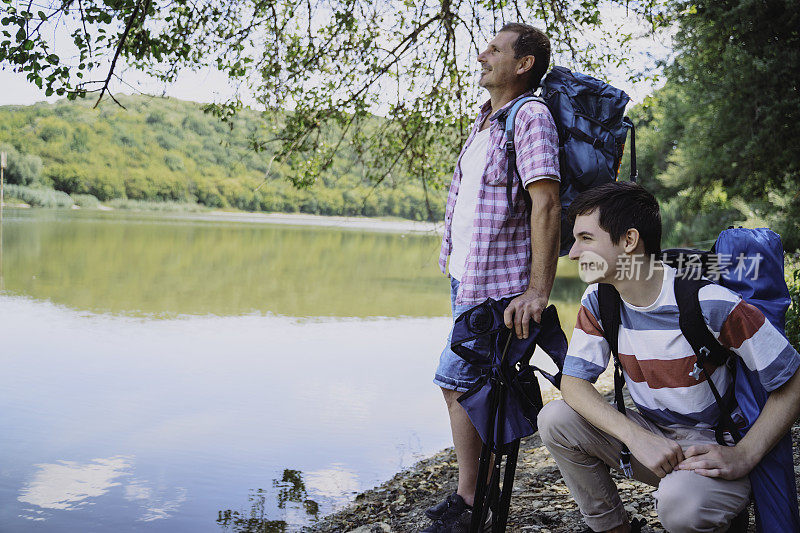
(453, 372)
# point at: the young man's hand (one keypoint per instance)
(521, 310)
(713, 460)
(658, 454)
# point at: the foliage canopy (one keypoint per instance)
(719, 135)
(332, 62)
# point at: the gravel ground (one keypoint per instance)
(540, 502)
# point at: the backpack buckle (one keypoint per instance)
(625, 463)
(695, 373)
(703, 354)
(510, 146)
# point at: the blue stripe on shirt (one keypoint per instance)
(780, 370)
(581, 368)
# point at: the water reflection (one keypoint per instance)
(252, 520)
(291, 489)
(157, 400)
(291, 495)
(68, 485)
(139, 264)
(71, 486)
(157, 266)
(188, 414)
(156, 501)
(336, 483)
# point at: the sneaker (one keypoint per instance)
(453, 501)
(456, 523)
(637, 524)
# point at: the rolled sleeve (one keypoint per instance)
(536, 142)
(581, 368)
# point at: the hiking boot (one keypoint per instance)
(453, 501)
(456, 523)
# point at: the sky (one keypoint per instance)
(203, 86)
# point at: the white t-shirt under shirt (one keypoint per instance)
(473, 163)
(657, 358)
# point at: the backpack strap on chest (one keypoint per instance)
(706, 347)
(609, 303)
(506, 118)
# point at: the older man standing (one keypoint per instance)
(494, 250)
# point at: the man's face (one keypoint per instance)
(593, 249)
(498, 65)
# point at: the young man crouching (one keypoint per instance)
(702, 486)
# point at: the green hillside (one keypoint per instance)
(167, 150)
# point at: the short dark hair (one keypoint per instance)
(531, 42)
(622, 205)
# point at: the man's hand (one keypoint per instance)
(521, 310)
(713, 460)
(658, 454)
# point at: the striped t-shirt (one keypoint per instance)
(656, 358)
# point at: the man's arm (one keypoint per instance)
(779, 413)
(656, 453)
(545, 238)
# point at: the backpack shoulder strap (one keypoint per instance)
(706, 347)
(507, 119)
(693, 324)
(609, 302)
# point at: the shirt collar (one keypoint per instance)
(487, 107)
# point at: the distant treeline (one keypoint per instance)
(168, 154)
(167, 150)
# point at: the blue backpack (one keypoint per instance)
(772, 480)
(589, 116)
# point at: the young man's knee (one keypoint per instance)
(683, 509)
(554, 418)
(681, 519)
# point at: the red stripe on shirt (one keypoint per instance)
(663, 373)
(742, 323)
(587, 323)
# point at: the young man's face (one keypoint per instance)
(593, 249)
(498, 64)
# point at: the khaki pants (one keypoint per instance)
(685, 501)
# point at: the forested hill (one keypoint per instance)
(165, 150)
(168, 150)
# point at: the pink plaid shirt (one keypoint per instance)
(499, 258)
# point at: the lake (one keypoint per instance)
(168, 372)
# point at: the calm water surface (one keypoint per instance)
(164, 373)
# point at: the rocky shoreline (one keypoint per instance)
(540, 503)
